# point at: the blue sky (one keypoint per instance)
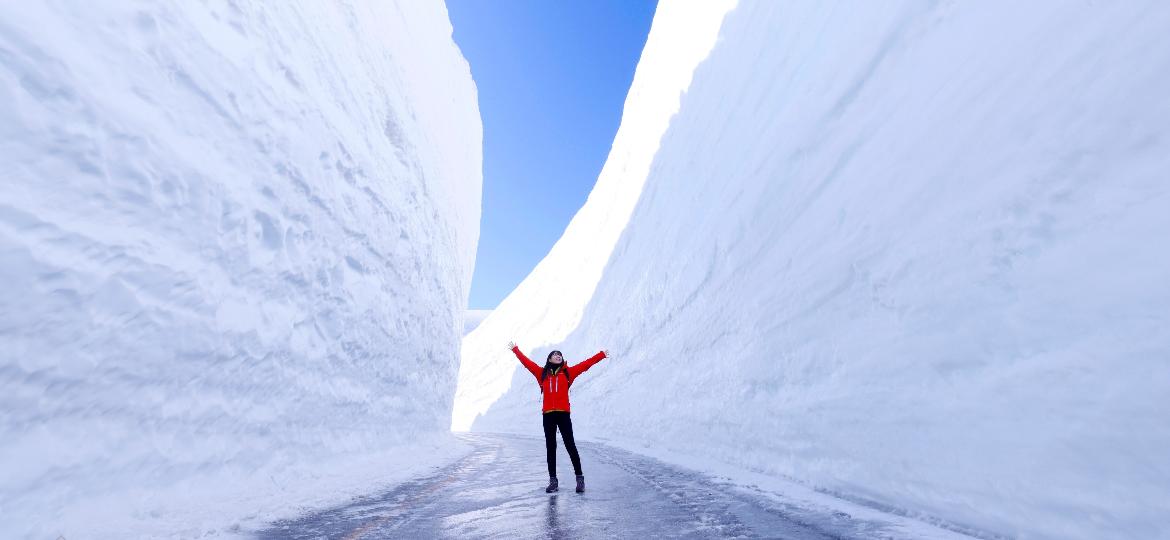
(552, 78)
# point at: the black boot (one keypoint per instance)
(552, 485)
(580, 483)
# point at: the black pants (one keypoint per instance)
(552, 421)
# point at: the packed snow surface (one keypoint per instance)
(907, 253)
(473, 317)
(236, 240)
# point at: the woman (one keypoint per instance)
(554, 380)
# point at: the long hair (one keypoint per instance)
(550, 369)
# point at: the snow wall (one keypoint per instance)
(910, 253)
(236, 242)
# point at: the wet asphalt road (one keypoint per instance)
(498, 492)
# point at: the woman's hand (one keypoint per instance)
(511, 345)
(606, 351)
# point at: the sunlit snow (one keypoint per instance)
(236, 243)
(909, 253)
(682, 35)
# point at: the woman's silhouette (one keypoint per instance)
(555, 379)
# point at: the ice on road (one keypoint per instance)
(497, 491)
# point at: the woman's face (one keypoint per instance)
(556, 358)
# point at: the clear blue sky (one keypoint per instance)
(552, 78)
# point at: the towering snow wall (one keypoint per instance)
(682, 35)
(236, 241)
(912, 253)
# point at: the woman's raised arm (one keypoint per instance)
(528, 364)
(577, 369)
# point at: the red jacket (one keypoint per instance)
(556, 385)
